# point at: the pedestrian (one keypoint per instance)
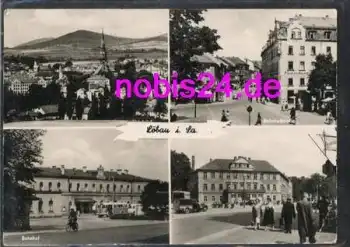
(256, 213)
(224, 116)
(322, 206)
(292, 116)
(258, 120)
(62, 106)
(269, 215)
(306, 227)
(288, 214)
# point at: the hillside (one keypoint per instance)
(87, 40)
(34, 42)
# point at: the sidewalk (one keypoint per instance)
(245, 235)
(46, 225)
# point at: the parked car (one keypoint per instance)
(199, 207)
(184, 206)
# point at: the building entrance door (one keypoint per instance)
(84, 206)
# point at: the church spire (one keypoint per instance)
(103, 47)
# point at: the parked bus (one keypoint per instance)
(177, 194)
(107, 209)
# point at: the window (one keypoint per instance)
(221, 175)
(127, 188)
(249, 186)
(138, 188)
(40, 205)
(313, 50)
(50, 206)
(205, 187)
(313, 64)
(212, 187)
(302, 50)
(293, 35)
(261, 176)
(268, 187)
(121, 188)
(205, 175)
(228, 175)
(58, 186)
(290, 65)
(299, 34)
(115, 187)
(221, 187)
(274, 187)
(290, 82)
(312, 35)
(274, 198)
(327, 35)
(101, 187)
(302, 66)
(70, 186)
(235, 176)
(78, 186)
(255, 176)
(86, 187)
(107, 188)
(220, 198)
(255, 186)
(274, 175)
(213, 198)
(205, 198)
(242, 185)
(290, 50)
(213, 175)
(328, 49)
(50, 186)
(235, 186)
(93, 185)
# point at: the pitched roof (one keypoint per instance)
(207, 58)
(319, 22)
(224, 165)
(236, 60)
(55, 172)
(227, 61)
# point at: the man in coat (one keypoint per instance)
(288, 214)
(306, 225)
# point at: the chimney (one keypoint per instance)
(62, 169)
(53, 166)
(84, 169)
(126, 171)
(193, 163)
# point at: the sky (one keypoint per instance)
(244, 32)
(23, 25)
(92, 147)
(289, 149)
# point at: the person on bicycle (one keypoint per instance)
(72, 218)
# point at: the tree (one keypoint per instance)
(180, 171)
(187, 39)
(161, 108)
(324, 74)
(155, 198)
(22, 153)
(68, 63)
(224, 199)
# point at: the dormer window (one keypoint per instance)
(327, 35)
(293, 35)
(312, 35)
(296, 33)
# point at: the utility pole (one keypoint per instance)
(195, 109)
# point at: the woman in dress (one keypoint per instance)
(269, 218)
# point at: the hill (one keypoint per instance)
(86, 40)
(34, 42)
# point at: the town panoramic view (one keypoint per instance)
(67, 70)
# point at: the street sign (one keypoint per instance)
(249, 109)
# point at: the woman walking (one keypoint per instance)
(269, 215)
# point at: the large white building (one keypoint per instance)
(290, 52)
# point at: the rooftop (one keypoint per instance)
(311, 22)
(56, 172)
(225, 165)
(235, 60)
(207, 58)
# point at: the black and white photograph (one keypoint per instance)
(87, 188)
(62, 65)
(252, 187)
(296, 47)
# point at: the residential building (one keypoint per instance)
(290, 52)
(242, 177)
(60, 189)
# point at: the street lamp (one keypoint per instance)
(243, 196)
(249, 110)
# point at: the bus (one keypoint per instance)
(107, 209)
(177, 194)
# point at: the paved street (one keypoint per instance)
(232, 228)
(92, 230)
(271, 113)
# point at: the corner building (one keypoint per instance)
(59, 188)
(241, 176)
(290, 51)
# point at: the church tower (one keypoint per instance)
(36, 67)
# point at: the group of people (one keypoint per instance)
(263, 215)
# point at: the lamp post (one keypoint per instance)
(243, 196)
(249, 110)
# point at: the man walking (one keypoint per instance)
(306, 227)
(323, 210)
(288, 214)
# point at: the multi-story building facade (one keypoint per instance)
(290, 52)
(58, 189)
(242, 177)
